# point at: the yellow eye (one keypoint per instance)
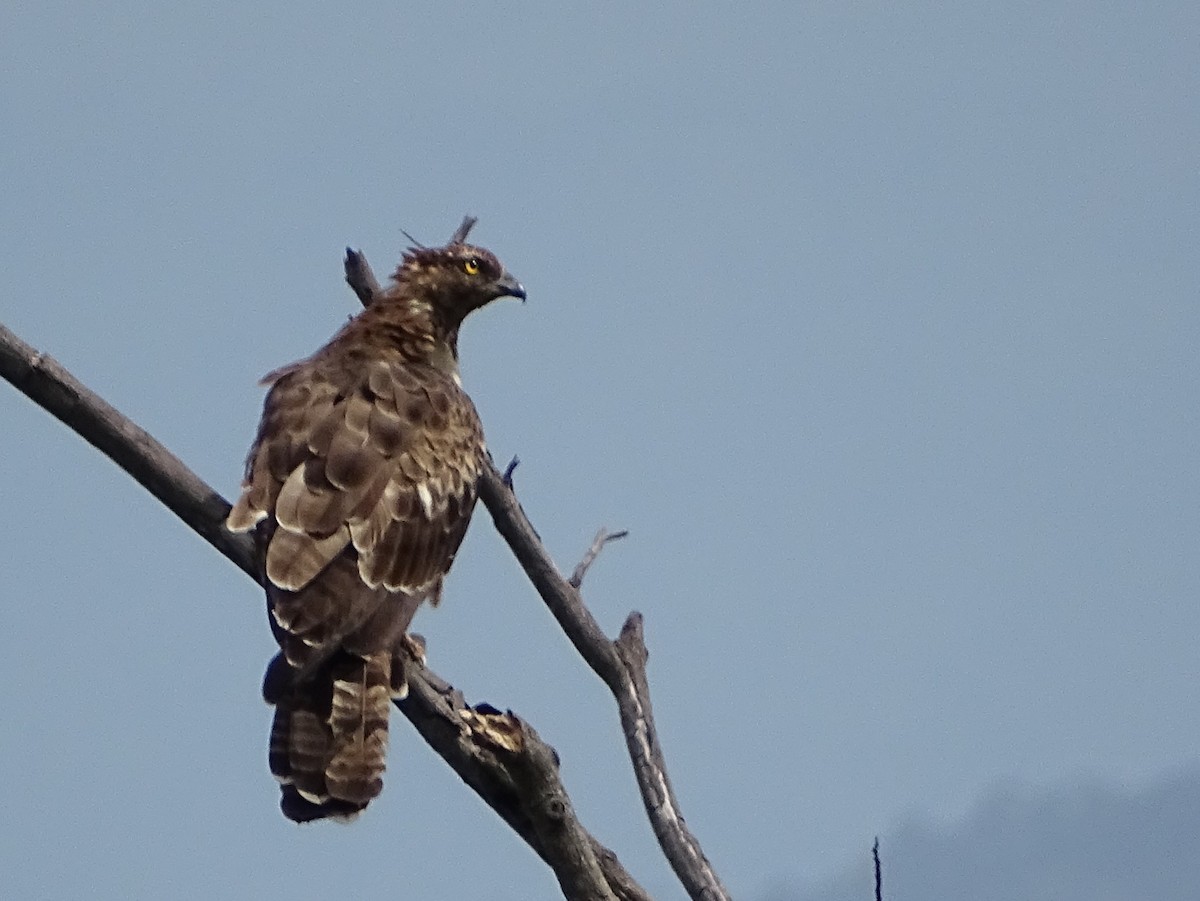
(471, 266)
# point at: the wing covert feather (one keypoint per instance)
(379, 464)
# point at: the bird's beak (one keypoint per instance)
(507, 286)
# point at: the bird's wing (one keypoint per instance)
(408, 539)
(363, 479)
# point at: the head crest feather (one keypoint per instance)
(422, 253)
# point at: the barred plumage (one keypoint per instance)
(360, 486)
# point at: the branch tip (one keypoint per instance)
(507, 478)
(878, 870)
(632, 629)
(464, 229)
(360, 278)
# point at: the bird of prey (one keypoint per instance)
(359, 487)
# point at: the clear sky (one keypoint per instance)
(875, 324)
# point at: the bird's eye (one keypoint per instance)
(471, 266)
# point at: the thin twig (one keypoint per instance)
(432, 706)
(510, 469)
(602, 538)
(878, 870)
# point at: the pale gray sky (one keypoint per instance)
(875, 324)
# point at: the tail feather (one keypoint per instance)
(299, 809)
(358, 719)
(329, 735)
(279, 746)
(309, 748)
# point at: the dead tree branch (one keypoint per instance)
(498, 755)
(359, 277)
(50, 386)
(621, 664)
(602, 538)
(878, 870)
(517, 777)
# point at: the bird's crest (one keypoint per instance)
(420, 256)
(459, 236)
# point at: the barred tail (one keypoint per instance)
(362, 699)
(329, 736)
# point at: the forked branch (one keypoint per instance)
(519, 780)
(498, 755)
(621, 664)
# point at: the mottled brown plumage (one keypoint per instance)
(360, 486)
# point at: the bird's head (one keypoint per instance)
(454, 279)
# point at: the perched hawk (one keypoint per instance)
(360, 485)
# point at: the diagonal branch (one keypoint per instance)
(50, 386)
(622, 667)
(519, 781)
(620, 664)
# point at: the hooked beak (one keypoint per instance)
(507, 286)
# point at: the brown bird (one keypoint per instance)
(359, 486)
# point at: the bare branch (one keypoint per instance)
(160, 472)
(516, 784)
(602, 538)
(516, 773)
(464, 229)
(564, 601)
(637, 720)
(510, 469)
(878, 870)
(554, 820)
(622, 667)
(359, 276)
